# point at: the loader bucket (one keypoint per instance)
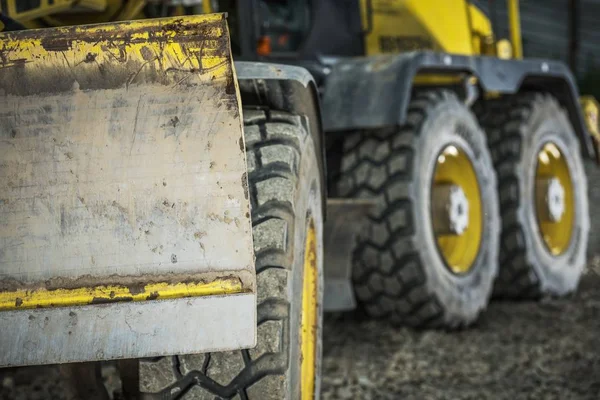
(123, 193)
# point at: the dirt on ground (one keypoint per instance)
(525, 350)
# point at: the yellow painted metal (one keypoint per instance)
(83, 12)
(590, 108)
(552, 164)
(591, 111)
(515, 28)
(45, 7)
(115, 10)
(460, 251)
(132, 10)
(97, 5)
(207, 7)
(452, 26)
(504, 49)
(309, 314)
(98, 40)
(481, 32)
(431, 79)
(23, 299)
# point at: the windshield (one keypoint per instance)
(284, 24)
(275, 27)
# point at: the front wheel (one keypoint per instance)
(287, 223)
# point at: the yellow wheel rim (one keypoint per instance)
(554, 199)
(309, 314)
(458, 245)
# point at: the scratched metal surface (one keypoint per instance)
(122, 163)
(121, 154)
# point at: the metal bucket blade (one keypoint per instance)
(122, 181)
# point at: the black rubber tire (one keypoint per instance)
(284, 188)
(398, 272)
(517, 126)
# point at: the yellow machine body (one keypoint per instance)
(452, 26)
(23, 12)
(591, 109)
(394, 26)
(71, 12)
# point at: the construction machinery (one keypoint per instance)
(141, 223)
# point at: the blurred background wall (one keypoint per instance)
(568, 30)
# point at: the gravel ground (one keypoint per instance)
(546, 350)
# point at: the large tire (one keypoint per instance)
(285, 195)
(398, 272)
(517, 127)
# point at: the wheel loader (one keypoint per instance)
(187, 185)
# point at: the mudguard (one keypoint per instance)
(289, 88)
(371, 92)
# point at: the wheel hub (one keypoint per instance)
(456, 209)
(453, 209)
(554, 199)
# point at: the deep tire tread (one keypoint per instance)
(407, 305)
(505, 122)
(274, 128)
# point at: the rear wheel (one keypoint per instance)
(543, 196)
(429, 256)
(287, 227)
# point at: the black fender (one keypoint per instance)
(288, 88)
(372, 92)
